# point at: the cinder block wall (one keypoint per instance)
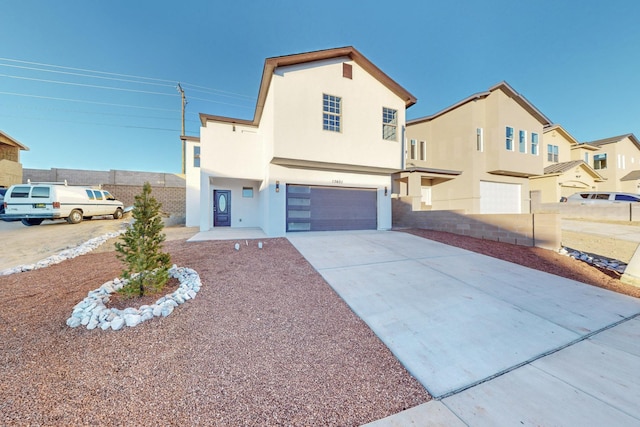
(541, 230)
(168, 189)
(598, 212)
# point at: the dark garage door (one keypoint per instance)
(315, 208)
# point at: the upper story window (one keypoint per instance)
(331, 113)
(423, 150)
(586, 158)
(522, 141)
(621, 163)
(389, 124)
(479, 139)
(534, 143)
(509, 139)
(600, 161)
(196, 156)
(552, 153)
(412, 149)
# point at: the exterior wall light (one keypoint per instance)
(385, 190)
(277, 186)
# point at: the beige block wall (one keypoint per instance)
(541, 230)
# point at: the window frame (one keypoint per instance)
(600, 161)
(196, 156)
(509, 138)
(389, 124)
(331, 113)
(535, 144)
(522, 141)
(480, 140)
(553, 153)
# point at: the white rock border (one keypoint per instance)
(92, 312)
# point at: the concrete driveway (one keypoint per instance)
(495, 343)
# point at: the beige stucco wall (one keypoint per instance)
(555, 137)
(622, 158)
(451, 144)
(298, 132)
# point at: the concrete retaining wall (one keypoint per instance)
(168, 189)
(541, 230)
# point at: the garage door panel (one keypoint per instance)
(330, 208)
(499, 197)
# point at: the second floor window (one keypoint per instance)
(389, 124)
(552, 153)
(509, 135)
(534, 143)
(412, 153)
(196, 156)
(479, 139)
(522, 141)
(331, 113)
(586, 158)
(600, 161)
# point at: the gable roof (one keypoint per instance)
(503, 86)
(560, 168)
(631, 176)
(614, 139)
(271, 64)
(6, 139)
(558, 128)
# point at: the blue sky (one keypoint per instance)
(92, 84)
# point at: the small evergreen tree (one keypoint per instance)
(147, 267)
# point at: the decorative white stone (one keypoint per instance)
(117, 323)
(132, 319)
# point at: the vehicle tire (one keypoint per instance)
(32, 221)
(117, 214)
(75, 217)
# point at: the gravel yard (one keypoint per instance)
(265, 342)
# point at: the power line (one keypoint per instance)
(94, 123)
(110, 104)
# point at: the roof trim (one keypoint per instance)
(330, 166)
(614, 139)
(271, 64)
(503, 86)
(14, 141)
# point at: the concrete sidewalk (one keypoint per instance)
(495, 343)
(630, 233)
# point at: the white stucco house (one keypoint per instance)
(326, 135)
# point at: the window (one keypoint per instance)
(40, 192)
(90, 194)
(331, 113)
(534, 143)
(600, 161)
(247, 192)
(196, 156)
(412, 153)
(479, 139)
(509, 138)
(20, 192)
(108, 196)
(389, 124)
(552, 153)
(627, 198)
(522, 141)
(98, 195)
(586, 158)
(621, 162)
(423, 150)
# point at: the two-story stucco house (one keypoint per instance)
(318, 154)
(475, 156)
(618, 161)
(10, 166)
(566, 166)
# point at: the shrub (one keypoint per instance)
(147, 266)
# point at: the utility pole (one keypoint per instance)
(184, 103)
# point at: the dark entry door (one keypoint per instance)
(221, 208)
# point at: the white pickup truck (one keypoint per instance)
(34, 202)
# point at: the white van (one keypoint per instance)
(34, 202)
(597, 197)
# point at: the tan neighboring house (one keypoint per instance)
(566, 166)
(10, 166)
(475, 156)
(618, 161)
(317, 155)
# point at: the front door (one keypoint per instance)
(221, 208)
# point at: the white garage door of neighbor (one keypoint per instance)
(499, 197)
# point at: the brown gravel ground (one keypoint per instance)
(266, 342)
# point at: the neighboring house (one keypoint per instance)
(566, 166)
(10, 166)
(618, 161)
(475, 156)
(318, 154)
